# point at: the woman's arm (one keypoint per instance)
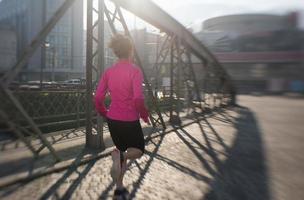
(100, 95)
(138, 96)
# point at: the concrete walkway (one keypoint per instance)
(250, 152)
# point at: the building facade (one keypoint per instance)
(147, 44)
(262, 53)
(61, 56)
(8, 45)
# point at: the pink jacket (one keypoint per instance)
(123, 81)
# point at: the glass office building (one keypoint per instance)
(61, 56)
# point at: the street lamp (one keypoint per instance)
(42, 65)
(52, 48)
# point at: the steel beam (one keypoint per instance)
(100, 67)
(89, 85)
(192, 73)
(171, 78)
(153, 14)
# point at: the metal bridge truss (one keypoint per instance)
(178, 48)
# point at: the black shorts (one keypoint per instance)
(126, 134)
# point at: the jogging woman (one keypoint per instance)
(123, 81)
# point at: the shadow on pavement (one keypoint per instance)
(53, 190)
(181, 168)
(243, 175)
(29, 164)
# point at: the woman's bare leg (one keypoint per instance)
(116, 168)
(130, 154)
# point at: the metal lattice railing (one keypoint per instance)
(41, 104)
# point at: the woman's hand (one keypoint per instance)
(103, 113)
(146, 119)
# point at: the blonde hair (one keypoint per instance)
(121, 46)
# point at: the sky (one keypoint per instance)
(192, 12)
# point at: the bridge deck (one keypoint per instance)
(250, 152)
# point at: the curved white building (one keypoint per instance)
(261, 52)
(246, 23)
